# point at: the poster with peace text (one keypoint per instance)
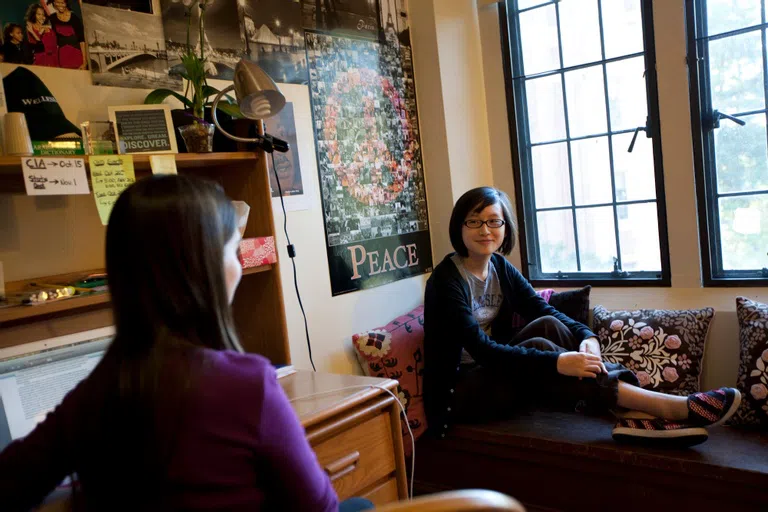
(369, 161)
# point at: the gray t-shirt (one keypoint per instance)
(486, 297)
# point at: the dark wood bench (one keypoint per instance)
(566, 461)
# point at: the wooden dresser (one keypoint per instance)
(355, 433)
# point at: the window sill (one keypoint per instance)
(602, 283)
(735, 282)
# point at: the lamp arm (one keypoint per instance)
(214, 109)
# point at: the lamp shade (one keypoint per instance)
(257, 94)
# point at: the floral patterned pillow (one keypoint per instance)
(395, 351)
(664, 348)
(753, 365)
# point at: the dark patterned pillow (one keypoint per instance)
(573, 303)
(753, 364)
(664, 348)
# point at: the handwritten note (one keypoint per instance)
(54, 176)
(110, 175)
(163, 164)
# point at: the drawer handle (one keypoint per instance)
(343, 466)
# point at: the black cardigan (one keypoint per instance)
(449, 326)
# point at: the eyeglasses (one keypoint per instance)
(491, 223)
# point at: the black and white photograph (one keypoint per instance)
(394, 22)
(127, 49)
(287, 165)
(342, 17)
(273, 38)
(144, 6)
(222, 42)
(369, 162)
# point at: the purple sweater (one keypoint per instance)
(242, 447)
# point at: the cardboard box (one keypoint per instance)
(255, 252)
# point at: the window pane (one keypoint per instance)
(546, 115)
(623, 27)
(556, 241)
(597, 238)
(551, 179)
(639, 236)
(580, 30)
(586, 101)
(742, 156)
(744, 231)
(736, 73)
(538, 33)
(626, 93)
(727, 15)
(591, 171)
(634, 172)
(524, 4)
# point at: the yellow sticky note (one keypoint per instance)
(163, 164)
(110, 175)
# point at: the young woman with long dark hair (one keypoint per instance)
(40, 37)
(477, 367)
(175, 416)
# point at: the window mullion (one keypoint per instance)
(568, 138)
(527, 193)
(610, 136)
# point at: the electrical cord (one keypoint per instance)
(402, 411)
(292, 254)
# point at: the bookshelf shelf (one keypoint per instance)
(12, 181)
(71, 305)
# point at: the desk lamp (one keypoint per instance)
(259, 98)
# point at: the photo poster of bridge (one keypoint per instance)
(38, 41)
(369, 162)
(128, 49)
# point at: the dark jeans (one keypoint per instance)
(355, 505)
(484, 394)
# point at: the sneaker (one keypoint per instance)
(713, 408)
(658, 432)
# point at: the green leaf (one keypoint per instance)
(209, 92)
(159, 95)
(232, 110)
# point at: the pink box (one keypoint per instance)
(255, 252)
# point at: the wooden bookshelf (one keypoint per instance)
(258, 307)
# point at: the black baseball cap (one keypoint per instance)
(26, 93)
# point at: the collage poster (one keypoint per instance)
(369, 162)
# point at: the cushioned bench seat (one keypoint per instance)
(566, 461)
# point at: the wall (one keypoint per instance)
(721, 360)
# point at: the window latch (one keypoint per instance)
(560, 275)
(617, 271)
(639, 129)
(718, 116)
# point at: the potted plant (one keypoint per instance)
(198, 134)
